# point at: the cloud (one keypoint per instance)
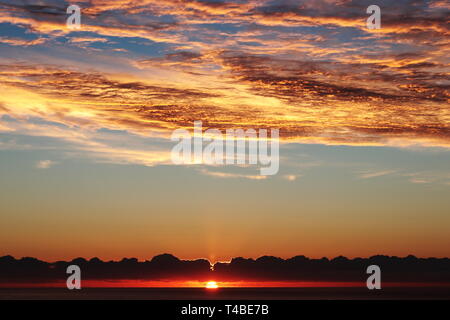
(427, 177)
(419, 180)
(423, 177)
(87, 39)
(432, 271)
(305, 110)
(291, 177)
(228, 175)
(21, 42)
(308, 68)
(374, 174)
(178, 22)
(45, 164)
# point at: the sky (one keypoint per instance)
(86, 117)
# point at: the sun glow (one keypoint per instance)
(212, 285)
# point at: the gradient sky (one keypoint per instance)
(86, 118)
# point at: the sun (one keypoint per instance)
(212, 285)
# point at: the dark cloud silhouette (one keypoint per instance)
(301, 268)
(266, 268)
(159, 267)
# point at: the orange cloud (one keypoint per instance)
(308, 108)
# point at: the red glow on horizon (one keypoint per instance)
(212, 285)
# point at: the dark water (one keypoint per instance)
(225, 294)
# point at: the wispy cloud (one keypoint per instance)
(428, 177)
(374, 174)
(291, 177)
(228, 175)
(45, 164)
(304, 110)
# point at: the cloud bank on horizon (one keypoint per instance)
(166, 267)
(143, 69)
